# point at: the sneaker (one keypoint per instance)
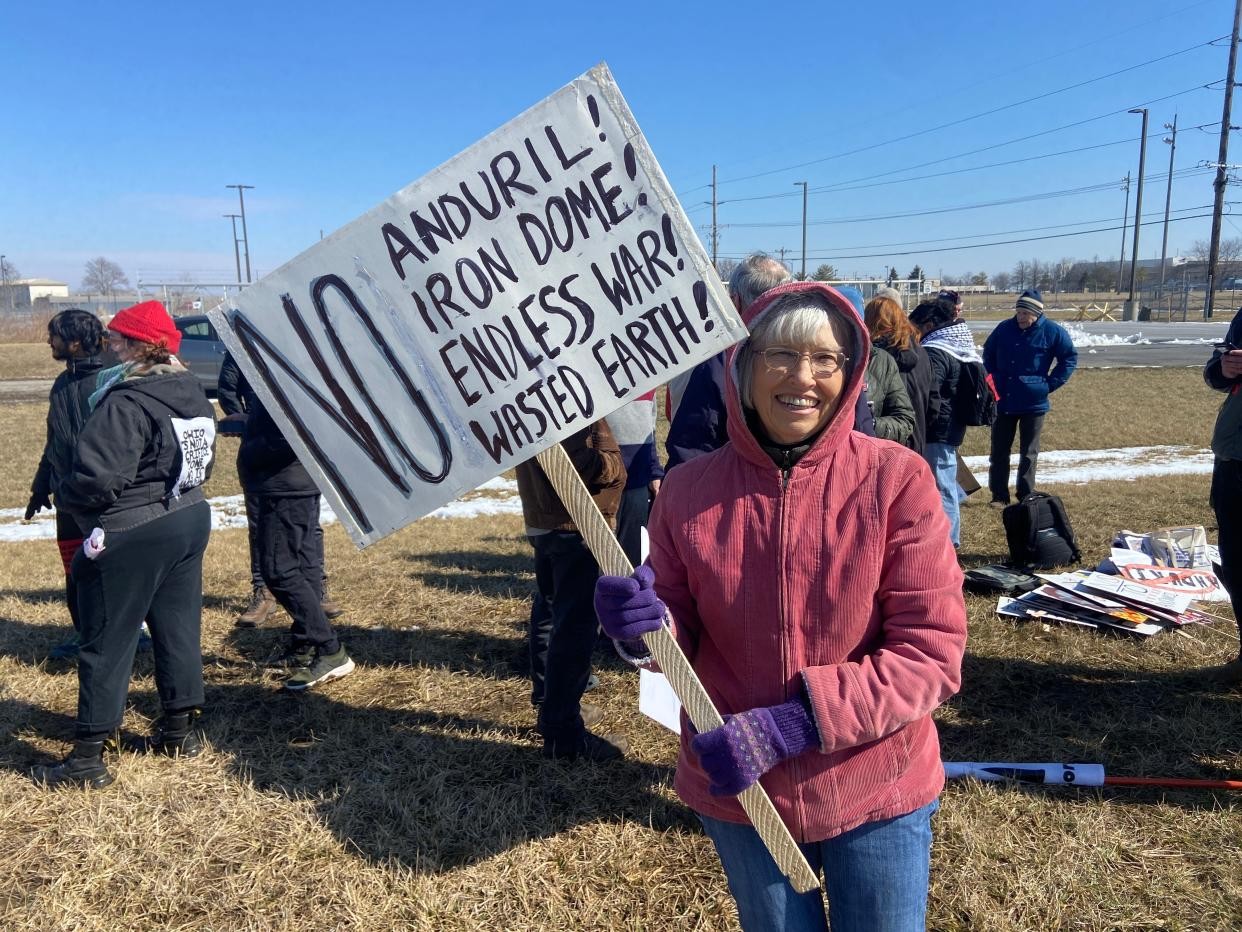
(586, 746)
(324, 667)
(144, 638)
(591, 683)
(292, 658)
(263, 605)
(67, 651)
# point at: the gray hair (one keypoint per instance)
(791, 320)
(754, 275)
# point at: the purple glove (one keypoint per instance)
(750, 744)
(627, 606)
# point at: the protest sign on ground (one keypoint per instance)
(528, 286)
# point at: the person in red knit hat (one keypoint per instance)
(137, 475)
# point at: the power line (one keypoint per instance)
(1106, 37)
(966, 236)
(1010, 242)
(1044, 195)
(975, 116)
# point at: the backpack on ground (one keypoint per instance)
(999, 579)
(976, 396)
(1039, 533)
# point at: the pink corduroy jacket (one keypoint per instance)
(840, 576)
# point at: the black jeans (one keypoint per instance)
(291, 560)
(562, 630)
(153, 571)
(1227, 503)
(632, 517)
(1028, 428)
(69, 540)
(252, 532)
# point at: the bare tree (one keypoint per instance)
(103, 276)
(8, 275)
(725, 267)
(1000, 281)
(1021, 274)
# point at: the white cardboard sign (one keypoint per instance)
(527, 287)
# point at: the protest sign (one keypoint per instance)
(527, 287)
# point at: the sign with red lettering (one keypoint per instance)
(525, 288)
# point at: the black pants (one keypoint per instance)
(632, 517)
(1227, 503)
(252, 532)
(562, 630)
(1028, 427)
(291, 561)
(153, 571)
(69, 541)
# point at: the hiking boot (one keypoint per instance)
(83, 767)
(175, 735)
(294, 657)
(324, 667)
(67, 651)
(328, 604)
(586, 746)
(263, 605)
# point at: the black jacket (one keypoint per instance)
(916, 372)
(944, 423)
(67, 412)
(145, 451)
(266, 463)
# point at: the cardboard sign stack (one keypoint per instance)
(1150, 583)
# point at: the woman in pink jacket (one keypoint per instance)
(811, 582)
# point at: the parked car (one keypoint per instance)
(202, 351)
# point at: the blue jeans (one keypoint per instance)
(942, 457)
(875, 875)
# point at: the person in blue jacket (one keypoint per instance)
(1029, 357)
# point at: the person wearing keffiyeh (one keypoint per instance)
(949, 343)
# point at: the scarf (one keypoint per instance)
(107, 378)
(956, 340)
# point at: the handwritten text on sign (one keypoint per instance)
(527, 287)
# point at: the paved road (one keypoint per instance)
(1171, 344)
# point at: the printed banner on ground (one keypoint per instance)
(527, 287)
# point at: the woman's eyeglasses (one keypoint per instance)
(823, 363)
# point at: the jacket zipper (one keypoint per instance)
(795, 766)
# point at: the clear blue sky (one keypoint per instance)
(124, 123)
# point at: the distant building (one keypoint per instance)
(20, 294)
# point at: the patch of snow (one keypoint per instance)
(1075, 467)
(1081, 338)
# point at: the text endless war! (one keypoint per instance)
(487, 357)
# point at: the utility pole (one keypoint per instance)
(782, 252)
(1221, 165)
(1131, 312)
(715, 231)
(236, 254)
(1168, 199)
(245, 236)
(1125, 220)
(803, 185)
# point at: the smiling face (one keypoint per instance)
(792, 400)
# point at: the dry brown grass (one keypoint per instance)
(412, 794)
(28, 361)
